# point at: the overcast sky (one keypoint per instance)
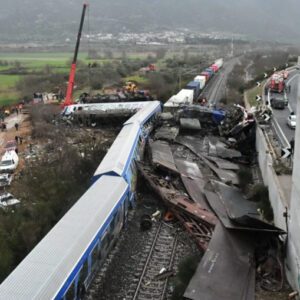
(269, 19)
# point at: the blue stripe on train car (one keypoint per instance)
(86, 254)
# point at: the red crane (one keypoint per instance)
(68, 100)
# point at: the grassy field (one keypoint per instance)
(32, 62)
(136, 78)
(38, 62)
(251, 94)
(8, 93)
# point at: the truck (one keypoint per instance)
(277, 83)
(279, 101)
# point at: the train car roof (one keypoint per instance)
(142, 116)
(43, 272)
(105, 106)
(117, 158)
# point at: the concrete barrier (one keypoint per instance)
(270, 179)
(279, 204)
(293, 261)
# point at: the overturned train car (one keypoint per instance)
(62, 265)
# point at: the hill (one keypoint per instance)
(31, 20)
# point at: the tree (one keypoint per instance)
(93, 54)
(185, 54)
(124, 54)
(108, 54)
(160, 53)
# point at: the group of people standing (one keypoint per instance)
(6, 112)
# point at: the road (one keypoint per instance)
(282, 115)
(216, 89)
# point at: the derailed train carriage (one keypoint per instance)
(62, 265)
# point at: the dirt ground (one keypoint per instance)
(264, 295)
(24, 132)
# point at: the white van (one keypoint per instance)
(9, 161)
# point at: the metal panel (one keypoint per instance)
(217, 203)
(197, 147)
(162, 155)
(190, 123)
(193, 181)
(188, 168)
(240, 210)
(223, 164)
(166, 133)
(46, 268)
(225, 269)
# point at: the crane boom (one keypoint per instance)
(68, 100)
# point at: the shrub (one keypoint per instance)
(260, 194)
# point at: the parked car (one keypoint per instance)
(5, 179)
(11, 145)
(9, 161)
(7, 199)
(291, 121)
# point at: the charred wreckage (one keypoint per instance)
(194, 156)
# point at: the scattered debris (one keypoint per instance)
(146, 222)
(166, 133)
(5, 179)
(235, 211)
(222, 163)
(156, 215)
(197, 220)
(193, 181)
(164, 274)
(7, 199)
(190, 124)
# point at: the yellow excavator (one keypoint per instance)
(130, 87)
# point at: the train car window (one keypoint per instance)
(85, 269)
(83, 275)
(113, 222)
(105, 240)
(70, 295)
(94, 255)
(126, 204)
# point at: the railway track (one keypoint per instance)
(152, 284)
